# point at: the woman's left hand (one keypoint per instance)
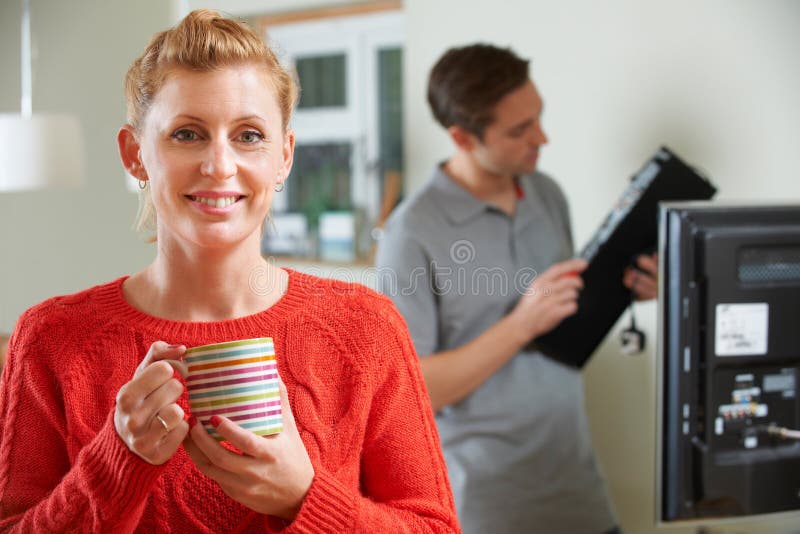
(273, 473)
(643, 279)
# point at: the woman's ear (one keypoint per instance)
(288, 156)
(129, 152)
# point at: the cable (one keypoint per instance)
(783, 432)
(633, 340)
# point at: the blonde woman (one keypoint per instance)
(96, 434)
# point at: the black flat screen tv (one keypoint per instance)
(728, 369)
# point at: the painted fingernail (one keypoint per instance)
(215, 421)
(192, 421)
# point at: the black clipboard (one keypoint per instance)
(630, 229)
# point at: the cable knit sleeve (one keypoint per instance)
(403, 478)
(46, 482)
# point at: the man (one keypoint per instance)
(457, 258)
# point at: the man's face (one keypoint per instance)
(511, 142)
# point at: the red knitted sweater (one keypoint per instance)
(354, 385)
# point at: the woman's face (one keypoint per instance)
(213, 148)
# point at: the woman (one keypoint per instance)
(95, 434)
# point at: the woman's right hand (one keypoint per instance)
(147, 417)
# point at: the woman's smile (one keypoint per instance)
(216, 203)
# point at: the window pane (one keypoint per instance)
(390, 124)
(322, 81)
(390, 108)
(320, 180)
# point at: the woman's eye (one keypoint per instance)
(251, 136)
(185, 135)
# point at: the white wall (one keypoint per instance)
(717, 81)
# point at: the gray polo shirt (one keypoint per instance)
(518, 449)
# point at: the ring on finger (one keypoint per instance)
(163, 423)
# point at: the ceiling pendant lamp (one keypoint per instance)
(38, 150)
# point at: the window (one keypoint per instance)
(348, 125)
(323, 81)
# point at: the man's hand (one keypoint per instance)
(643, 279)
(551, 298)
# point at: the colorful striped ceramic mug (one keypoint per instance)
(238, 380)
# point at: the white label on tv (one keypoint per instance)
(741, 329)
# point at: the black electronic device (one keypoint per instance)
(631, 228)
(728, 361)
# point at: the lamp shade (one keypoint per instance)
(40, 151)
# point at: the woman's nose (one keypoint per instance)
(219, 161)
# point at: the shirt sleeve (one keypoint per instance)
(404, 275)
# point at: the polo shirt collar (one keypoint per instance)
(458, 204)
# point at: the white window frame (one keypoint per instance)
(359, 37)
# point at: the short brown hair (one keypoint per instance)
(467, 83)
(203, 41)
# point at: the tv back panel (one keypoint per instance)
(728, 361)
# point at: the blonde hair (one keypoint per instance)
(203, 41)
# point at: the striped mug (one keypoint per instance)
(238, 380)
